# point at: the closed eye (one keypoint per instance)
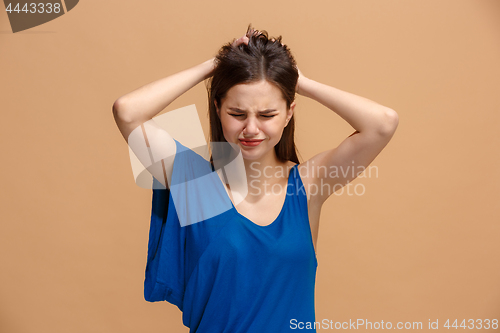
(241, 115)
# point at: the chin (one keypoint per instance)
(251, 158)
(251, 155)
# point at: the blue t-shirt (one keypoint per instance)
(224, 272)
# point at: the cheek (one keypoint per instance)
(277, 130)
(230, 126)
(275, 127)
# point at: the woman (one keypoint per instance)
(249, 265)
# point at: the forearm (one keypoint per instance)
(147, 101)
(361, 113)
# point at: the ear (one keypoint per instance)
(290, 113)
(217, 108)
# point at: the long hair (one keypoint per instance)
(262, 59)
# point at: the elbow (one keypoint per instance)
(119, 111)
(390, 122)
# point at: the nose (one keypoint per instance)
(251, 127)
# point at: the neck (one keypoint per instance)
(268, 168)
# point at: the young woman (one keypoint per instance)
(245, 265)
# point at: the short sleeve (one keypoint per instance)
(195, 195)
(164, 280)
(165, 267)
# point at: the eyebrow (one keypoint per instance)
(263, 111)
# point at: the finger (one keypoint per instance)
(240, 40)
(243, 40)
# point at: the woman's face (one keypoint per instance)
(254, 111)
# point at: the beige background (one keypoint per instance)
(422, 241)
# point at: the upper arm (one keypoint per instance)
(152, 145)
(336, 167)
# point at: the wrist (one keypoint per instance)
(208, 68)
(302, 86)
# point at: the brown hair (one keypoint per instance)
(262, 59)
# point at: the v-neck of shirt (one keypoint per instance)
(281, 211)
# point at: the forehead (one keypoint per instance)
(257, 95)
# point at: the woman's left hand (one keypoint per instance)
(241, 40)
(244, 39)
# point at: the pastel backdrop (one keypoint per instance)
(420, 243)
